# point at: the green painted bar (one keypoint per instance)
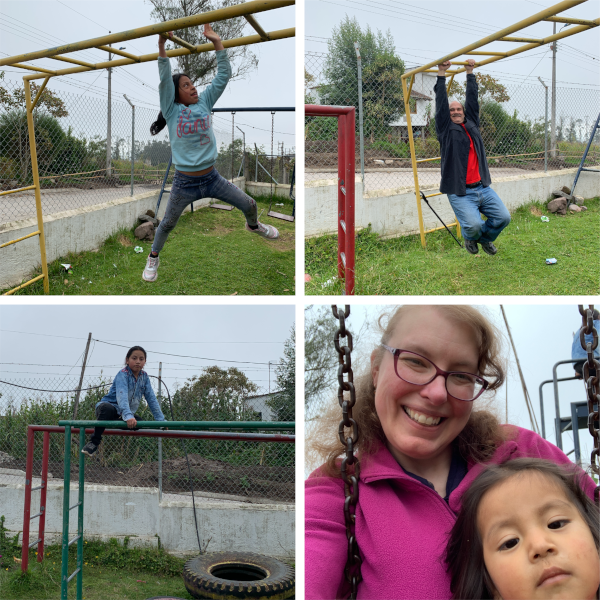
(66, 500)
(80, 515)
(184, 425)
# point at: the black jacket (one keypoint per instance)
(454, 142)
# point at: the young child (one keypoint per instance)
(526, 530)
(194, 149)
(123, 398)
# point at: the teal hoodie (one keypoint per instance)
(193, 144)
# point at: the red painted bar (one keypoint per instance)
(350, 165)
(27, 509)
(44, 484)
(341, 196)
(346, 175)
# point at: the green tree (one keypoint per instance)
(202, 67)
(381, 68)
(283, 403)
(488, 88)
(216, 395)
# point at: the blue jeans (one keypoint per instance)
(188, 188)
(482, 200)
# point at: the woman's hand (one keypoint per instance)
(213, 37)
(131, 423)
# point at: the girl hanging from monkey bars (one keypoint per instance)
(194, 149)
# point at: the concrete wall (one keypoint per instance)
(394, 212)
(114, 511)
(257, 188)
(75, 230)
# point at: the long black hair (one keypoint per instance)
(160, 122)
(469, 578)
(132, 350)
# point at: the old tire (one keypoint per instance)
(238, 575)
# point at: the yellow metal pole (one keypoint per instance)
(449, 84)
(570, 21)
(37, 69)
(90, 66)
(23, 285)
(132, 57)
(221, 14)
(37, 96)
(233, 43)
(540, 16)
(256, 26)
(36, 182)
(411, 82)
(413, 159)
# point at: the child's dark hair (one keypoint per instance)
(132, 350)
(160, 122)
(469, 578)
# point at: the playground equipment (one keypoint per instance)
(346, 116)
(177, 429)
(587, 148)
(408, 79)
(245, 10)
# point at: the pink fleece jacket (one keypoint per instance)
(401, 526)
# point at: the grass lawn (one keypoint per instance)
(110, 572)
(208, 253)
(400, 266)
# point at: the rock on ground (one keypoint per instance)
(145, 232)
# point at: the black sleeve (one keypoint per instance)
(472, 102)
(442, 110)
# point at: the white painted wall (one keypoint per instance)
(116, 512)
(393, 213)
(76, 230)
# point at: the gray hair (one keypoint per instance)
(451, 100)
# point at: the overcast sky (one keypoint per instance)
(426, 31)
(28, 25)
(542, 336)
(49, 341)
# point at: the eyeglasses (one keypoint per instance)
(418, 370)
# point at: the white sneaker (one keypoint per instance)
(267, 231)
(151, 271)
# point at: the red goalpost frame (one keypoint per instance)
(346, 173)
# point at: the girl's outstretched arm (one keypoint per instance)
(213, 92)
(153, 404)
(166, 89)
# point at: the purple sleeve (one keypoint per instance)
(326, 544)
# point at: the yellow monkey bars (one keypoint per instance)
(408, 78)
(246, 10)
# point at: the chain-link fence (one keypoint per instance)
(75, 169)
(516, 134)
(259, 471)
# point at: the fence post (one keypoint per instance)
(159, 439)
(256, 165)
(545, 129)
(360, 114)
(132, 139)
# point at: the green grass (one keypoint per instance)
(111, 571)
(401, 266)
(208, 252)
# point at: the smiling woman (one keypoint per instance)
(422, 441)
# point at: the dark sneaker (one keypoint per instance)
(471, 246)
(89, 449)
(489, 248)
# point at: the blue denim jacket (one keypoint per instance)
(126, 392)
(577, 351)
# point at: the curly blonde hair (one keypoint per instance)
(482, 433)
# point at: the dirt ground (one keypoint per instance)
(214, 476)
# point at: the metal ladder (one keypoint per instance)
(581, 167)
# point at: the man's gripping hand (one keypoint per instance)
(469, 66)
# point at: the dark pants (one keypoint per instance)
(578, 366)
(105, 411)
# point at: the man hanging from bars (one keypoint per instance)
(465, 175)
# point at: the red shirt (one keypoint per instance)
(473, 175)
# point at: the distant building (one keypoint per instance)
(422, 96)
(259, 405)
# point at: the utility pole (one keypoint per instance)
(108, 131)
(553, 116)
(76, 403)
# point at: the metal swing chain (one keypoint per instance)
(592, 385)
(232, 141)
(353, 562)
(272, 134)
